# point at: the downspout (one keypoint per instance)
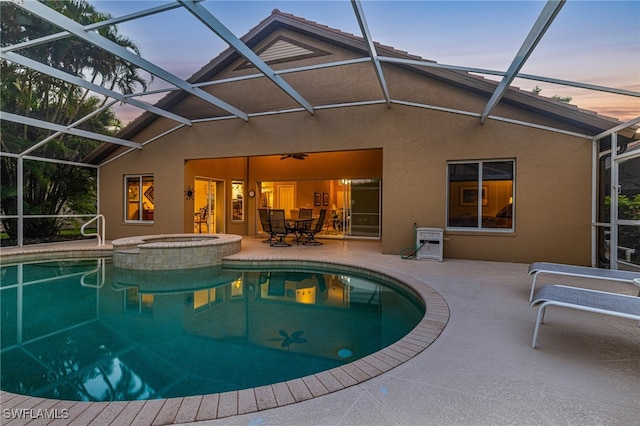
(594, 201)
(613, 214)
(20, 201)
(100, 231)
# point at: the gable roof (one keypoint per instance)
(284, 49)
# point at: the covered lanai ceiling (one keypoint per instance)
(266, 63)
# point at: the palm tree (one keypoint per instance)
(50, 188)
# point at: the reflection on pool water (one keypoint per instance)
(84, 330)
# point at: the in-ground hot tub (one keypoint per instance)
(173, 251)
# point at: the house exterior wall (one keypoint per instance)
(407, 147)
(552, 191)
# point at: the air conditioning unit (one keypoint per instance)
(429, 243)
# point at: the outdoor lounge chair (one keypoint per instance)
(618, 305)
(313, 230)
(279, 229)
(538, 268)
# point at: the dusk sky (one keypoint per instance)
(596, 42)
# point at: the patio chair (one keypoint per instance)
(266, 224)
(341, 220)
(202, 219)
(305, 214)
(317, 227)
(302, 223)
(279, 228)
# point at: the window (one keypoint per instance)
(203, 299)
(139, 203)
(237, 189)
(481, 195)
(134, 301)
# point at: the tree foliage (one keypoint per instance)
(55, 188)
(628, 209)
(564, 99)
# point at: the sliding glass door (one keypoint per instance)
(352, 205)
(208, 206)
(365, 208)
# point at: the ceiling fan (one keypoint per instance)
(296, 156)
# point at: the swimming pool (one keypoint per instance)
(84, 330)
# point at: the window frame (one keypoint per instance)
(481, 186)
(139, 198)
(237, 200)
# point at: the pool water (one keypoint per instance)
(84, 330)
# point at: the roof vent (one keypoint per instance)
(284, 49)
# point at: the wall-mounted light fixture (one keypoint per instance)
(189, 193)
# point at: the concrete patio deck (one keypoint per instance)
(480, 370)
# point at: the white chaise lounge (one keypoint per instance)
(538, 268)
(618, 305)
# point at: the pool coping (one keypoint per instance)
(245, 401)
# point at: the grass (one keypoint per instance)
(65, 235)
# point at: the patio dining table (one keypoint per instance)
(298, 226)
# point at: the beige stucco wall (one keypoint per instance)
(552, 190)
(407, 147)
(552, 207)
